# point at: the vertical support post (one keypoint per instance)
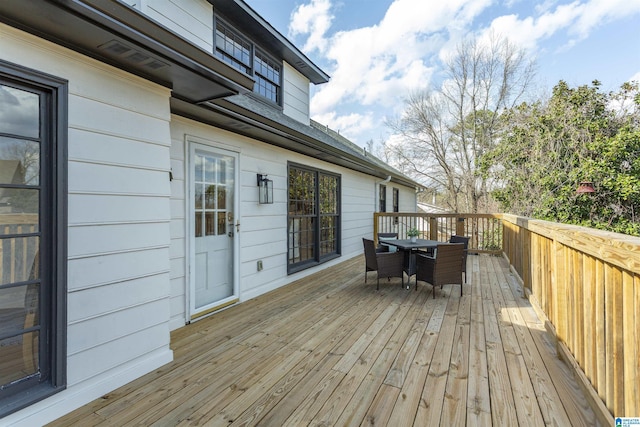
(375, 228)
(433, 228)
(460, 226)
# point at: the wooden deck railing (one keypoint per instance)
(485, 230)
(585, 284)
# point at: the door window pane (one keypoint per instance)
(222, 197)
(197, 199)
(198, 224)
(210, 197)
(210, 225)
(209, 164)
(222, 223)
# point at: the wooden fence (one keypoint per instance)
(587, 284)
(584, 283)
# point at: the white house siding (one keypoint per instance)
(192, 19)
(295, 94)
(263, 230)
(119, 228)
(408, 200)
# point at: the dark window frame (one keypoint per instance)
(52, 377)
(317, 215)
(382, 198)
(396, 203)
(250, 67)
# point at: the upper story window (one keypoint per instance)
(239, 52)
(267, 74)
(232, 49)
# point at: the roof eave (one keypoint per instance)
(115, 33)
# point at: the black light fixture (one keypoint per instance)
(265, 189)
(585, 187)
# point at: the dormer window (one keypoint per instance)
(232, 49)
(241, 53)
(267, 74)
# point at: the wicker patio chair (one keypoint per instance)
(386, 236)
(386, 264)
(465, 241)
(443, 269)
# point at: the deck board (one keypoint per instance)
(331, 350)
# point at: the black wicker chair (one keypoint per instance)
(386, 264)
(465, 241)
(385, 236)
(443, 269)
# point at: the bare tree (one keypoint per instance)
(445, 132)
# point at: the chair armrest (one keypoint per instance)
(423, 255)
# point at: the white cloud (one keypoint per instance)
(377, 65)
(527, 32)
(600, 12)
(313, 19)
(349, 125)
(578, 19)
(635, 77)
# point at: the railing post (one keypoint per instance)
(375, 228)
(460, 226)
(433, 228)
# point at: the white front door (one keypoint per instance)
(213, 201)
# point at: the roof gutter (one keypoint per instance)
(117, 34)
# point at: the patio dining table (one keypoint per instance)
(410, 248)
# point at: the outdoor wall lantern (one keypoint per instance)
(585, 187)
(265, 189)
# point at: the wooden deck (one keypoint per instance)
(330, 350)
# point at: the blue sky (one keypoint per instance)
(378, 51)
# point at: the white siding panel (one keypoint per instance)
(176, 249)
(108, 238)
(107, 179)
(114, 268)
(97, 147)
(97, 209)
(131, 348)
(295, 94)
(112, 120)
(191, 19)
(178, 270)
(96, 331)
(82, 303)
(178, 227)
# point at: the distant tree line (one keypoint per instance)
(484, 144)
